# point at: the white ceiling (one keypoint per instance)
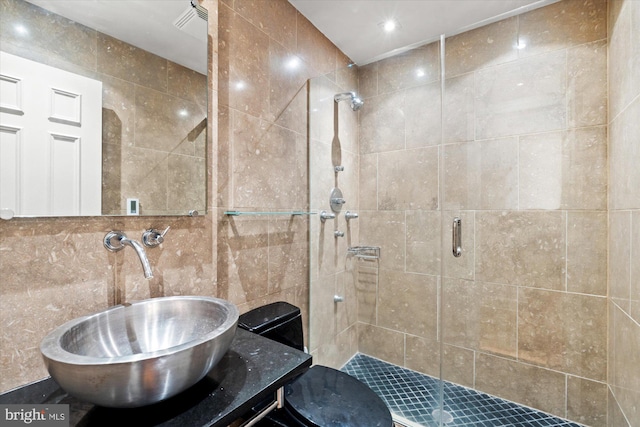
(353, 25)
(147, 24)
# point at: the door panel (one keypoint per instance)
(51, 127)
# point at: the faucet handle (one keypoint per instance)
(166, 230)
(152, 237)
(348, 215)
(324, 215)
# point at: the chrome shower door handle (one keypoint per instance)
(457, 237)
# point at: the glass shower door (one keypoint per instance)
(399, 205)
(374, 283)
(523, 166)
(508, 145)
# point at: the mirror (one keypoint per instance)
(150, 59)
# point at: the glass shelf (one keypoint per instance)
(238, 213)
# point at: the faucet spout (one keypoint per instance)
(117, 240)
(142, 254)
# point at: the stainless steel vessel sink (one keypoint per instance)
(140, 353)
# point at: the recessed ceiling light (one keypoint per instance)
(293, 63)
(390, 25)
(21, 29)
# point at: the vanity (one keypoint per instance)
(251, 371)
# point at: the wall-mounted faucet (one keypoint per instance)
(116, 241)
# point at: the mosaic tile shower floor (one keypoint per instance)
(414, 396)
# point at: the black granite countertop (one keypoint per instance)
(253, 368)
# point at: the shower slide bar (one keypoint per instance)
(294, 213)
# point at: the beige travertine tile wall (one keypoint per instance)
(624, 213)
(522, 159)
(267, 53)
(150, 151)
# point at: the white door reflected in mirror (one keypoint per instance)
(50, 140)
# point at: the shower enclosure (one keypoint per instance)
(499, 135)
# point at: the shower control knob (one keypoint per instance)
(336, 200)
(348, 215)
(339, 168)
(338, 233)
(324, 215)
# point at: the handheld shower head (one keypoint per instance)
(356, 102)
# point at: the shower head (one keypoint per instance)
(356, 102)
